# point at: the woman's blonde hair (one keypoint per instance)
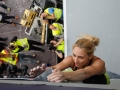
(87, 43)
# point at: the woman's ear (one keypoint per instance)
(91, 56)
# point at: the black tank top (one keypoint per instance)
(96, 79)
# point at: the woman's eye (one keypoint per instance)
(74, 55)
(81, 58)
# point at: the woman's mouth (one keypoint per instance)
(77, 65)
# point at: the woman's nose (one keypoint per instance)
(76, 59)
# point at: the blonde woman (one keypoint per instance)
(86, 67)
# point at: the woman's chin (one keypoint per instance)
(77, 65)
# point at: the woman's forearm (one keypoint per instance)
(59, 54)
(78, 75)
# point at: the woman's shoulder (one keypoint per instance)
(97, 60)
(69, 57)
(99, 64)
(69, 60)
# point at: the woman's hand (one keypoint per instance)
(56, 76)
(37, 70)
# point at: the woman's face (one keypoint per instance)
(80, 57)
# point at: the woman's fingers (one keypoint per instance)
(34, 70)
(55, 70)
(54, 79)
(37, 70)
(56, 76)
